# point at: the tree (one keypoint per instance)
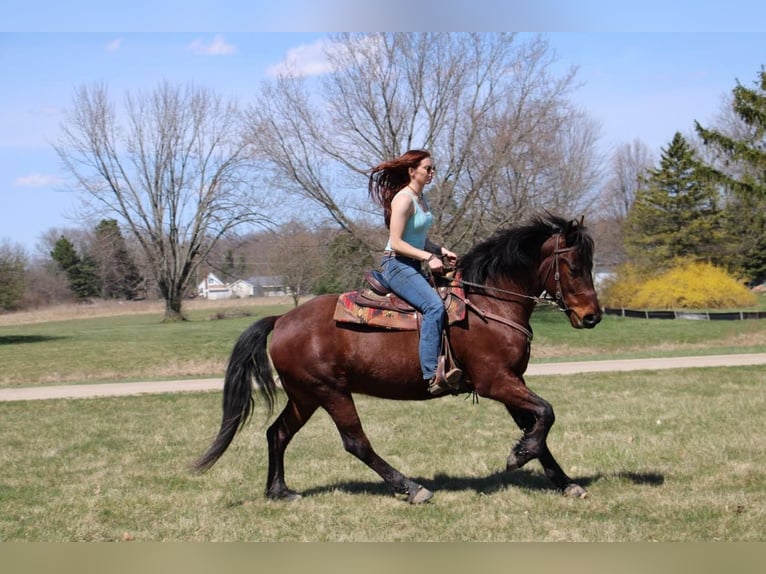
(299, 260)
(119, 277)
(13, 263)
(738, 165)
(80, 271)
(171, 167)
(628, 168)
(505, 138)
(675, 215)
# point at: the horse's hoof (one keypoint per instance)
(421, 495)
(514, 463)
(286, 495)
(575, 491)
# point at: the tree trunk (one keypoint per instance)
(173, 301)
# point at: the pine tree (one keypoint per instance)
(741, 171)
(117, 272)
(80, 271)
(13, 264)
(675, 214)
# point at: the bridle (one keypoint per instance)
(555, 266)
(557, 299)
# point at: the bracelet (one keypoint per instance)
(431, 257)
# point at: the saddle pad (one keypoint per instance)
(365, 307)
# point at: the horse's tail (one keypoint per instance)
(249, 362)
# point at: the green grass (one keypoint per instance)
(667, 456)
(121, 347)
(140, 346)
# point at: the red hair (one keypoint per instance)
(389, 177)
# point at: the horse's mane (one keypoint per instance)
(511, 249)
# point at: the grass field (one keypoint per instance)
(110, 344)
(667, 455)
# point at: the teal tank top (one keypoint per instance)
(417, 226)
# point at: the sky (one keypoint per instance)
(634, 82)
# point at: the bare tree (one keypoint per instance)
(171, 167)
(504, 136)
(627, 170)
(299, 259)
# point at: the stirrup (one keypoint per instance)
(449, 379)
(444, 381)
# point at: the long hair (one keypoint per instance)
(389, 177)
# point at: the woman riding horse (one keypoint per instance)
(321, 363)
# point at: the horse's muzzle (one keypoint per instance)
(587, 321)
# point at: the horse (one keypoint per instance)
(322, 363)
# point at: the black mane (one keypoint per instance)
(510, 250)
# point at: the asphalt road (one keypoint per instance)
(82, 391)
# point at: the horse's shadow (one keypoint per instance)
(485, 485)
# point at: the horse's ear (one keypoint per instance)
(574, 224)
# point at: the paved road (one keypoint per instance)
(159, 387)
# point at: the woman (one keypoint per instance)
(398, 186)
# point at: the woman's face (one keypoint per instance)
(424, 173)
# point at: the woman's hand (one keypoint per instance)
(435, 264)
(450, 256)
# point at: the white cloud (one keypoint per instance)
(114, 45)
(36, 180)
(217, 47)
(305, 60)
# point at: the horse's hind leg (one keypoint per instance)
(278, 436)
(343, 412)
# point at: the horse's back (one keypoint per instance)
(308, 345)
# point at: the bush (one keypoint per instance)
(695, 285)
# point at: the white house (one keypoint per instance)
(242, 288)
(213, 288)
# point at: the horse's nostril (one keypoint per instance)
(591, 320)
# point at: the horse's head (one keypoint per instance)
(568, 274)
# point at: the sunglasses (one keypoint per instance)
(429, 168)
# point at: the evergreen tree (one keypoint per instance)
(675, 213)
(13, 264)
(80, 271)
(740, 170)
(119, 276)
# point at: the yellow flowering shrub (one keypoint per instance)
(618, 291)
(695, 285)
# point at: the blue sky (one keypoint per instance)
(635, 84)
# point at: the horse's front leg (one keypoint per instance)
(534, 444)
(535, 417)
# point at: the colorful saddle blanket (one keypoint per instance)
(366, 307)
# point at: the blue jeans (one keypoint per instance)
(404, 278)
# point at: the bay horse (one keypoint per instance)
(321, 363)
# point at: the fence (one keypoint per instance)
(691, 315)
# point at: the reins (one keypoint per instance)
(557, 300)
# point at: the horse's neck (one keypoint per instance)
(510, 298)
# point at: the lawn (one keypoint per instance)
(139, 345)
(665, 456)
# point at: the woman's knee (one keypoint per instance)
(434, 308)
